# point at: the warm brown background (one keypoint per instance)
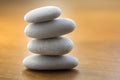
(96, 38)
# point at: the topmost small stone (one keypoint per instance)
(42, 14)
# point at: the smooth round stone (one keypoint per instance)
(53, 46)
(42, 14)
(39, 62)
(50, 29)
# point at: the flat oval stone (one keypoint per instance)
(42, 14)
(50, 29)
(39, 62)
(52, 46)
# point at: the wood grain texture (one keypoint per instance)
(96, 38)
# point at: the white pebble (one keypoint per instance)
(38, 62)
(53, 46)
(50, 29)
(42, 14)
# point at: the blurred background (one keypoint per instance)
(97, 20)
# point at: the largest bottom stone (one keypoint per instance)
(41, 62)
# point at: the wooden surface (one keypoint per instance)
(96, 38)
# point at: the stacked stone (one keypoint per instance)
(49, 46)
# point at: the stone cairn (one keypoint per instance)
(49, 46)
